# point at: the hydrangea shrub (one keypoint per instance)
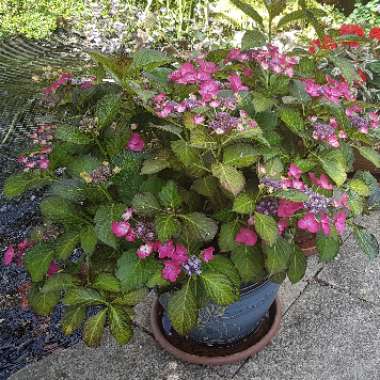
(194, 178)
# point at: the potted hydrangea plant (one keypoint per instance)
(195, 179)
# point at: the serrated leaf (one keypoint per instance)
(59, 210)
(253, 38)
(183, 310)
(222, 264)
(166, 226)
(188, 156)
(168, 128)
(154, 166)
(103, 219)
(65, 244)
(170, 196)
(107, 108)
(43, 303)
(131, 298)
(69, 189)
(346, 67)
(240, 155)
(206, 186)
(145, 204)
(120, 324)
(83, 164)
(291, 17)
(366, 241)
(293, 120)
(150, 58)
(37, 261)
(278, 255)
(261, 102)
(244, 203)
(226, 237)
(297, 266)
(107, 282)
(370, 154)
(355, 202)
(230, 178)
(72, 134)
(88, 239)
(157, 280)
(335, 166)
(219, 288)
(18, 183)
(72, 319)
(249, 263)
(200, 226)
(132, 272)
(327, 246)
(59, 281)
(94, 327)
(83, 296)
(266, 227)
(291, 195)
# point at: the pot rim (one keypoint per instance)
(214, 360)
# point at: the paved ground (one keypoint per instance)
(330, 331)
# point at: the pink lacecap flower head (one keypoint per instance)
(282, 225)
(53, 268)
(298, 184)
(324, 182)
(207, 67)
(287, 209)
(180, 255)
(136, 143)
(309, 223)
(325, 224)
(120, 229)
(24, 245)
(144, 251)
(198, 119)
(9, 255)
(233, 55)
(246, 236)
(207, 254)
(171, 270)
(166, 250)
(236, 84)
(340, 221)
(294, 171)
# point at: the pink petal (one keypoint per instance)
(9, 254)
(120, 229)
(246, 236)
(325, 224)
(145, 250)
(53, 268)
(171, 271)
(340, 222)
(309, 223)
(286, 208)
(282, 225)
(294, 171)
(180, 254)
(207, 254)
(136, 143)
(166, 250)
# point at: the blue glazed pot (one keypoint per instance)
(218, 325)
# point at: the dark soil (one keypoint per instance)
(24, 336)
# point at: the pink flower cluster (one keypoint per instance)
(317, 217)
(333, 91)
(361, 121)
(63, 79)
(15, 253)
(269, 58)
(329, 133)
(136, 143)
(43, 137)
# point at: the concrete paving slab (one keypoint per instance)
(142, 359)
(326, 335)
(354, 273)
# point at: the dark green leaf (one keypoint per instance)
(297, 266)
(334, 163)
(222, 264)
(249, 263)
(249, 11)
(37, 261)
(59, 210)
(230, 178)
(226, 237)
(145, 204)
(219, 288)
(73, 318)
(366, 241)
(278, 255)
(83, 296)
(131, 298)
(240, 155)
(88, 239)
(293, 120)
(244, 203)
(328, 246)
(65, 245)
(266, 227)
(43, 303)
(200, 226)
(120, 324)
(107, 282)
(170, 196)
(107, 109)
(154, 166)
(370, 154)
(166, 226)
(72, 134)
(253, 38)
(18, 183)
(59, 281)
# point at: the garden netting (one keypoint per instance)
(24, 70)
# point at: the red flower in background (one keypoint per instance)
(375, 33)
(327, 43)
(362, 75)
(352, 29)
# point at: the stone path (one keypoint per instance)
(330, 331)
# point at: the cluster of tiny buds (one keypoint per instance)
(99, 175)
(89, 124)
